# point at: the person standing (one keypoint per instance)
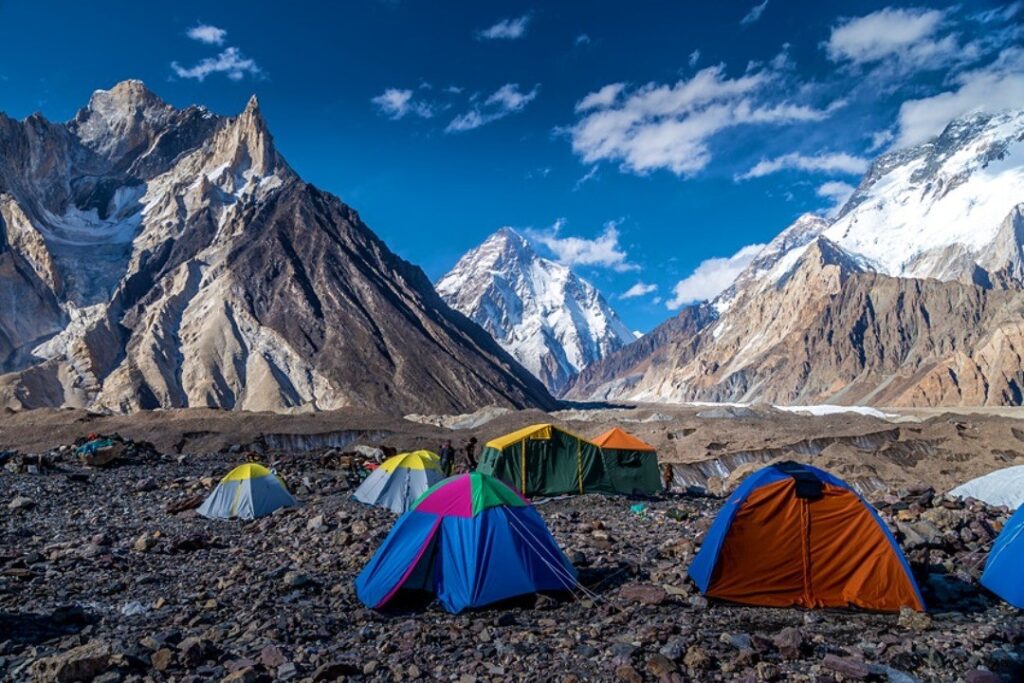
(471, 453)
(447, 454)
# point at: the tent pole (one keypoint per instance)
(579, 464)
(522, 466)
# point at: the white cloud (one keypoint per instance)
(998, 15)
(638, 290)
(585, 178)
(506, 29)
(825, 163)
(395, 103)
(712, 277)
(542, 172)
(907, 35)
(661, 126)
(694, 58)
(470, 120)
(604, 97)
(782, 60)
(838, 193)
(506, 100)
(204, 33)
(996, 87)
(755, 13)
(604, 250)
(880, 139)
(230, 62)
(509, 98)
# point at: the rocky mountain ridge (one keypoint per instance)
(155, 257)
(911, 296)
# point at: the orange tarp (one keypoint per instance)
(782, 550)
(617, 439)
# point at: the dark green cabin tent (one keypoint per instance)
(631, 463)
(543, 460)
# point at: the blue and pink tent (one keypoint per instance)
(471, 540)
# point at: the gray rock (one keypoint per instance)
(849, 667)
(914, 620)
(643, 593)
(296, 579)
(790, 642)
(673, 649)
(21, 503)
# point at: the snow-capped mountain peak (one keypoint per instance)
(911, 296)
(551, 320)
(949, 209)
(777, 255)
(937, 210)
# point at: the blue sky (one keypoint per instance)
(649, 145)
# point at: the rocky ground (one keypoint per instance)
(99, 578)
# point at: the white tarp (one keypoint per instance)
(1002, 487)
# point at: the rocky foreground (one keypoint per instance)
(100, 577)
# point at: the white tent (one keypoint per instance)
(1002, 487)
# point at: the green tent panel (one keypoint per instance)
(632, 464)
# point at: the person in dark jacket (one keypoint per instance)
(471, 453)
(447, 454)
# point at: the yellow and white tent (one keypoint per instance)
(247, 492)
(400, 480)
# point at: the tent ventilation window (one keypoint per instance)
(808, 486)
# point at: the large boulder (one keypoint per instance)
(82, 663)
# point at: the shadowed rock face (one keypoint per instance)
(154, 257)
(614, 375)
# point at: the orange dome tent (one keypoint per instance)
(794, 535)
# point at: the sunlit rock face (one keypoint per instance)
(159, 257)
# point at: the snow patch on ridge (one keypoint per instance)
(828, 409)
